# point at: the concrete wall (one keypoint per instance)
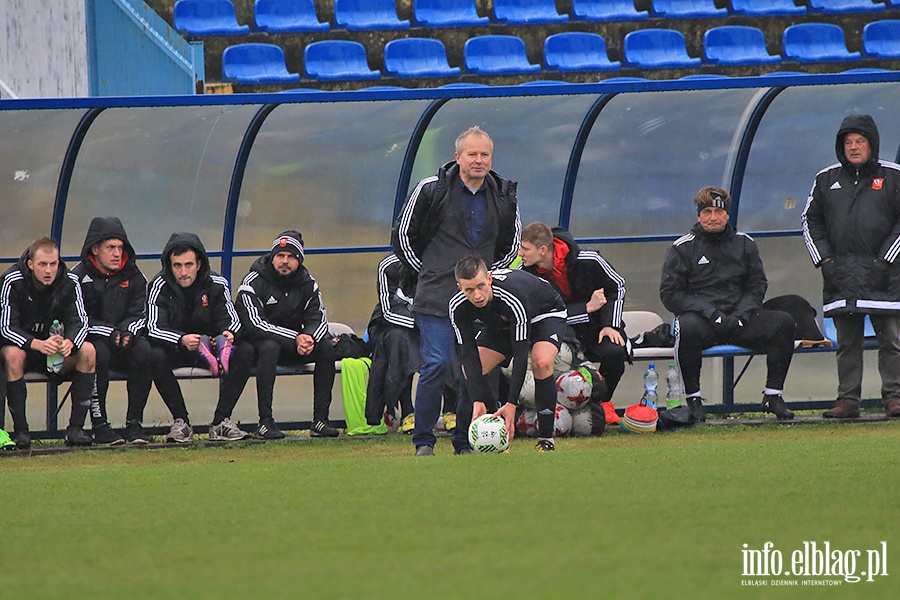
(44, 49)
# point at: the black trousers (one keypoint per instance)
(271, 353)
(164, 358)
(611, 358)
(395, 360)
(769, 331)
(135, 362)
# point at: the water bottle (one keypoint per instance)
(651, 382)
(673, 385)
(55, 360)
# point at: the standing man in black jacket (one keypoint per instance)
(595, 298)
(851, 226)
(465, 208)
(187, 306)
(714, 283)
(115, 298)
(281, 308)
(33, 293)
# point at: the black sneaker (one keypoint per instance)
(322, 428)
(106, 435)
(463, 451)
(77, 436)
(774, 403)
(268, 430)
(545, 446)
(22, 440)
(695, 404)
(135, 434)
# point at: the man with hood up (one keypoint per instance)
(281, 308)
(34, 292)
(595, 298)
(115, 297)
(851, 226)
(191, 321)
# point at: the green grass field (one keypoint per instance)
(622, 516)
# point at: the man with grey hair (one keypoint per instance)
(466, 208)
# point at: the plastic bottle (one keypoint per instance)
(651, 383)
(673, 388)
(55, 361)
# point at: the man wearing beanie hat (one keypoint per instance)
(714, 283)
(281, 309)
(851, 226)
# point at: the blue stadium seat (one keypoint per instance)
(417, 57)
(256, 63)
(686, 9)
(287, 16)
(527, 12)
(893, 3)
(881, 39)
(607, 10)
(657, 49)
(816, 42)
(447, 13)
(359, 15)
(736, 45)
(840, 7)
(574, 51)
(539, 82)
(463, 84)
(702, 76)
(337, 60)
(207, 17)
(497, 55)
(766, 8)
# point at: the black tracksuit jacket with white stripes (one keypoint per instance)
(520, 299)
(853, 217)
(204, 307)
(278, 307)
(26, 313)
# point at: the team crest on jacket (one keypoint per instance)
(204, 300)
(877, 183)
(124, 284)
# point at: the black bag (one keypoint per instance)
(350, 345)
(658, 337)
(675, 418)
(804, 315)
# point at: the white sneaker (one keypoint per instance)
(226, 430)
(180, 433)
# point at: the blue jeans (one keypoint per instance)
(438, 349)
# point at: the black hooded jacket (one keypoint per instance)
(587, 271)
(852, 217)
(26, 313)
(204, 307)
(279, 307)
(115, 302)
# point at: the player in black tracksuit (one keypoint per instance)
(517, 313)
(185, 301)
(34, 292)
(714, 283)
(281, 309)
(115, 297)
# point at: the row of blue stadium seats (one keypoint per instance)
(730, 45)
(218, 17)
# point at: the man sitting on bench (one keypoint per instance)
(714, 283)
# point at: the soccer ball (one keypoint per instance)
(572, 390)
(562, 422)
(488, 433)
(526, 424)
(582, 421)
(392, 418)
(564, 359)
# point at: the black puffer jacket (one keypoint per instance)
(204, 307)
(852, 217)
(114, 302)
(705, 272)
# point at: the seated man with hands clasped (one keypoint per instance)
(714, 283)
